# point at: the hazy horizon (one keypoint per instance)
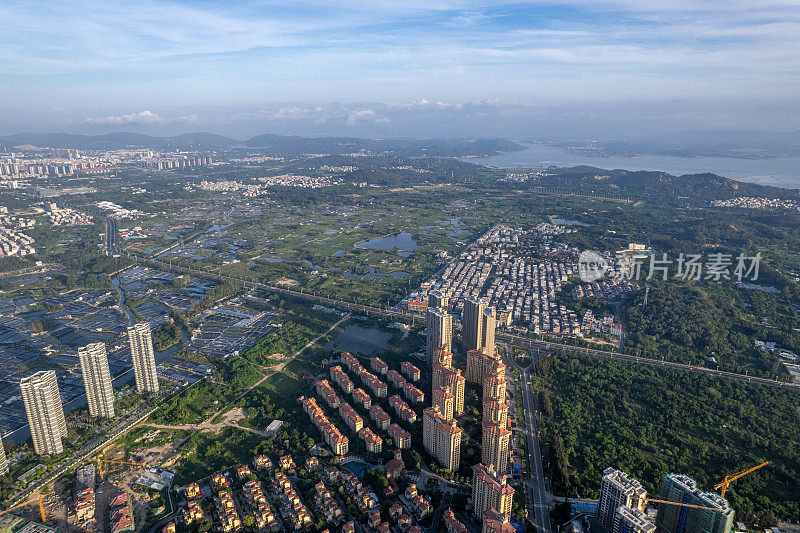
(584, 69)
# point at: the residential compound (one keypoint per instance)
(618, 490)
(490, 491)
(369, 405)
(45, 411)
(712, 514)
(441, 438)
(448, 378)
(479, 325)
(518, 273)
(97, 379)
(14, 242)
(622, 506)
(439, 332)
(144, 360)
(333, 437)
(496, 444)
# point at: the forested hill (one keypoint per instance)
(647, 185)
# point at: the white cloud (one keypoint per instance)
(142, 118)
(365, 115)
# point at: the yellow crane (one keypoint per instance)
(653, 500)
(36, 495)
(99, 460)
(723, 485)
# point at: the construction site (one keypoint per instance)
(109, 493)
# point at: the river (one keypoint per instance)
(780, 172)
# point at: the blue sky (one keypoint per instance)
(395, 67)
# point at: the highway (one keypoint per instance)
(536, 495)
(529, 343)
(519, 341)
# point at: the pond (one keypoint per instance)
(400, 241)
(357, 468)
(355, 339)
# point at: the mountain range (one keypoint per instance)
(276, 144)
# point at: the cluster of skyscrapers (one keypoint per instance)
(42, 399)
(681, 507)
(491, 494)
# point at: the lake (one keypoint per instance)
(400, 241)
(780, 172)
(355, 339)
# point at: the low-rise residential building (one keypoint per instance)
(83, 509)
(374, 443)
(351, 417)
(243, 472)
(261, 462)
(286, 462)
(494, 522)
(378, 387)
(350, 362)
(326, 505)
(120, 516)
(452, 524)
(410, 371)
(378, 365)
(380, 417)
(400, 437)
(193, 491)
(413, 394)
(193, 512)
(333, 437)
(312, 464)
(219, 482)
(362, 398)
(340, 378)
(402, 409)
(396, 379)
(327, 393)
(265, 518)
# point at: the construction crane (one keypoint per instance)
(653, 500)
(99, 460)
(36, 495)
(723, 485)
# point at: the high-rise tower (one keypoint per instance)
(439, 332)
(144, 360)
(45, 411)
(471, 332)
(97, 379)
